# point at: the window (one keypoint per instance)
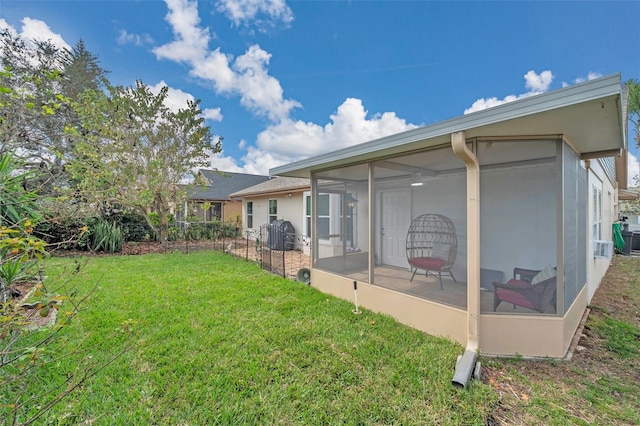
(249, 214)
(597, 213)
(213, 211)
(324, 217)
(273, 210)
(326, 202)
(307, 215)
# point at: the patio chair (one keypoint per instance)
(432, 245)
(529, 288)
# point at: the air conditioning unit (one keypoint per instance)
(603, 249)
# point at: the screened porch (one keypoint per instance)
(532, 216)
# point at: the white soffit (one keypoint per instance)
(588, 115)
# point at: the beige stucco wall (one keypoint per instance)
(500, 334)
(231, 211)
(531, 335)
(289, 208)
(432, 318)
(596, 267)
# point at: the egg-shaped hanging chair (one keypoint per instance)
(432, 245)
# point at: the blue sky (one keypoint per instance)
(282, 81)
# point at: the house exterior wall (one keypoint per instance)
(289, 208)
(532, 213)
(232, 211)
(597, 267)
(446, 197)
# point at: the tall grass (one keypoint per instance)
(220, 341)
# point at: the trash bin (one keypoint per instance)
(618, 239)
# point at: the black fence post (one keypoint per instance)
(246, 256)
(284, 266)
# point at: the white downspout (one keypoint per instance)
(467, 364)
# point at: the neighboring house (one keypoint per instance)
(280, 198)
(527, 184)
(211, 201)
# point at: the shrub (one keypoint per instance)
(134, 226)
(15, 270)
(107, 237)
(66, 232)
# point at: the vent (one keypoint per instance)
(603, 249)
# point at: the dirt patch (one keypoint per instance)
(29, 315)
(138, 248)
(618, 297)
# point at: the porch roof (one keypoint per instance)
(588, 115)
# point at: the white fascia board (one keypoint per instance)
(579, 93)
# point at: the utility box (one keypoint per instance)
(627, 236)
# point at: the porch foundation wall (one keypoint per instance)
(531, 335)
(432, 318)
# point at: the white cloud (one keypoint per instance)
(177, 99)
(226, 164)
(633, 170)
(4, 25)
(590, 76)
(246, 77)
(536, 83)
(291, 140)
(136, 39)
(245, 12)
(259, 91)
(214, 114)
(191, 42)
(214, 67)
(35, 30)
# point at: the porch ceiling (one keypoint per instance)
(587, 115)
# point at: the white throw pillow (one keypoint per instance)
(548, 272)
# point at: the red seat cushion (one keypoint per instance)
(427, 263)
(511, 296)
(517, 283)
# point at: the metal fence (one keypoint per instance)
(271, 246)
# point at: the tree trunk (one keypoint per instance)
(147, 218)
(164, 228)
(163, 216)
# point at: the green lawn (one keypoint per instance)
(216, 340)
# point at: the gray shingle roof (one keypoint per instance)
(222, 184)
(276, 184)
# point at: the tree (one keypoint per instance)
(42, 80)
(82, 71)
(27, 358)
(132, 151)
